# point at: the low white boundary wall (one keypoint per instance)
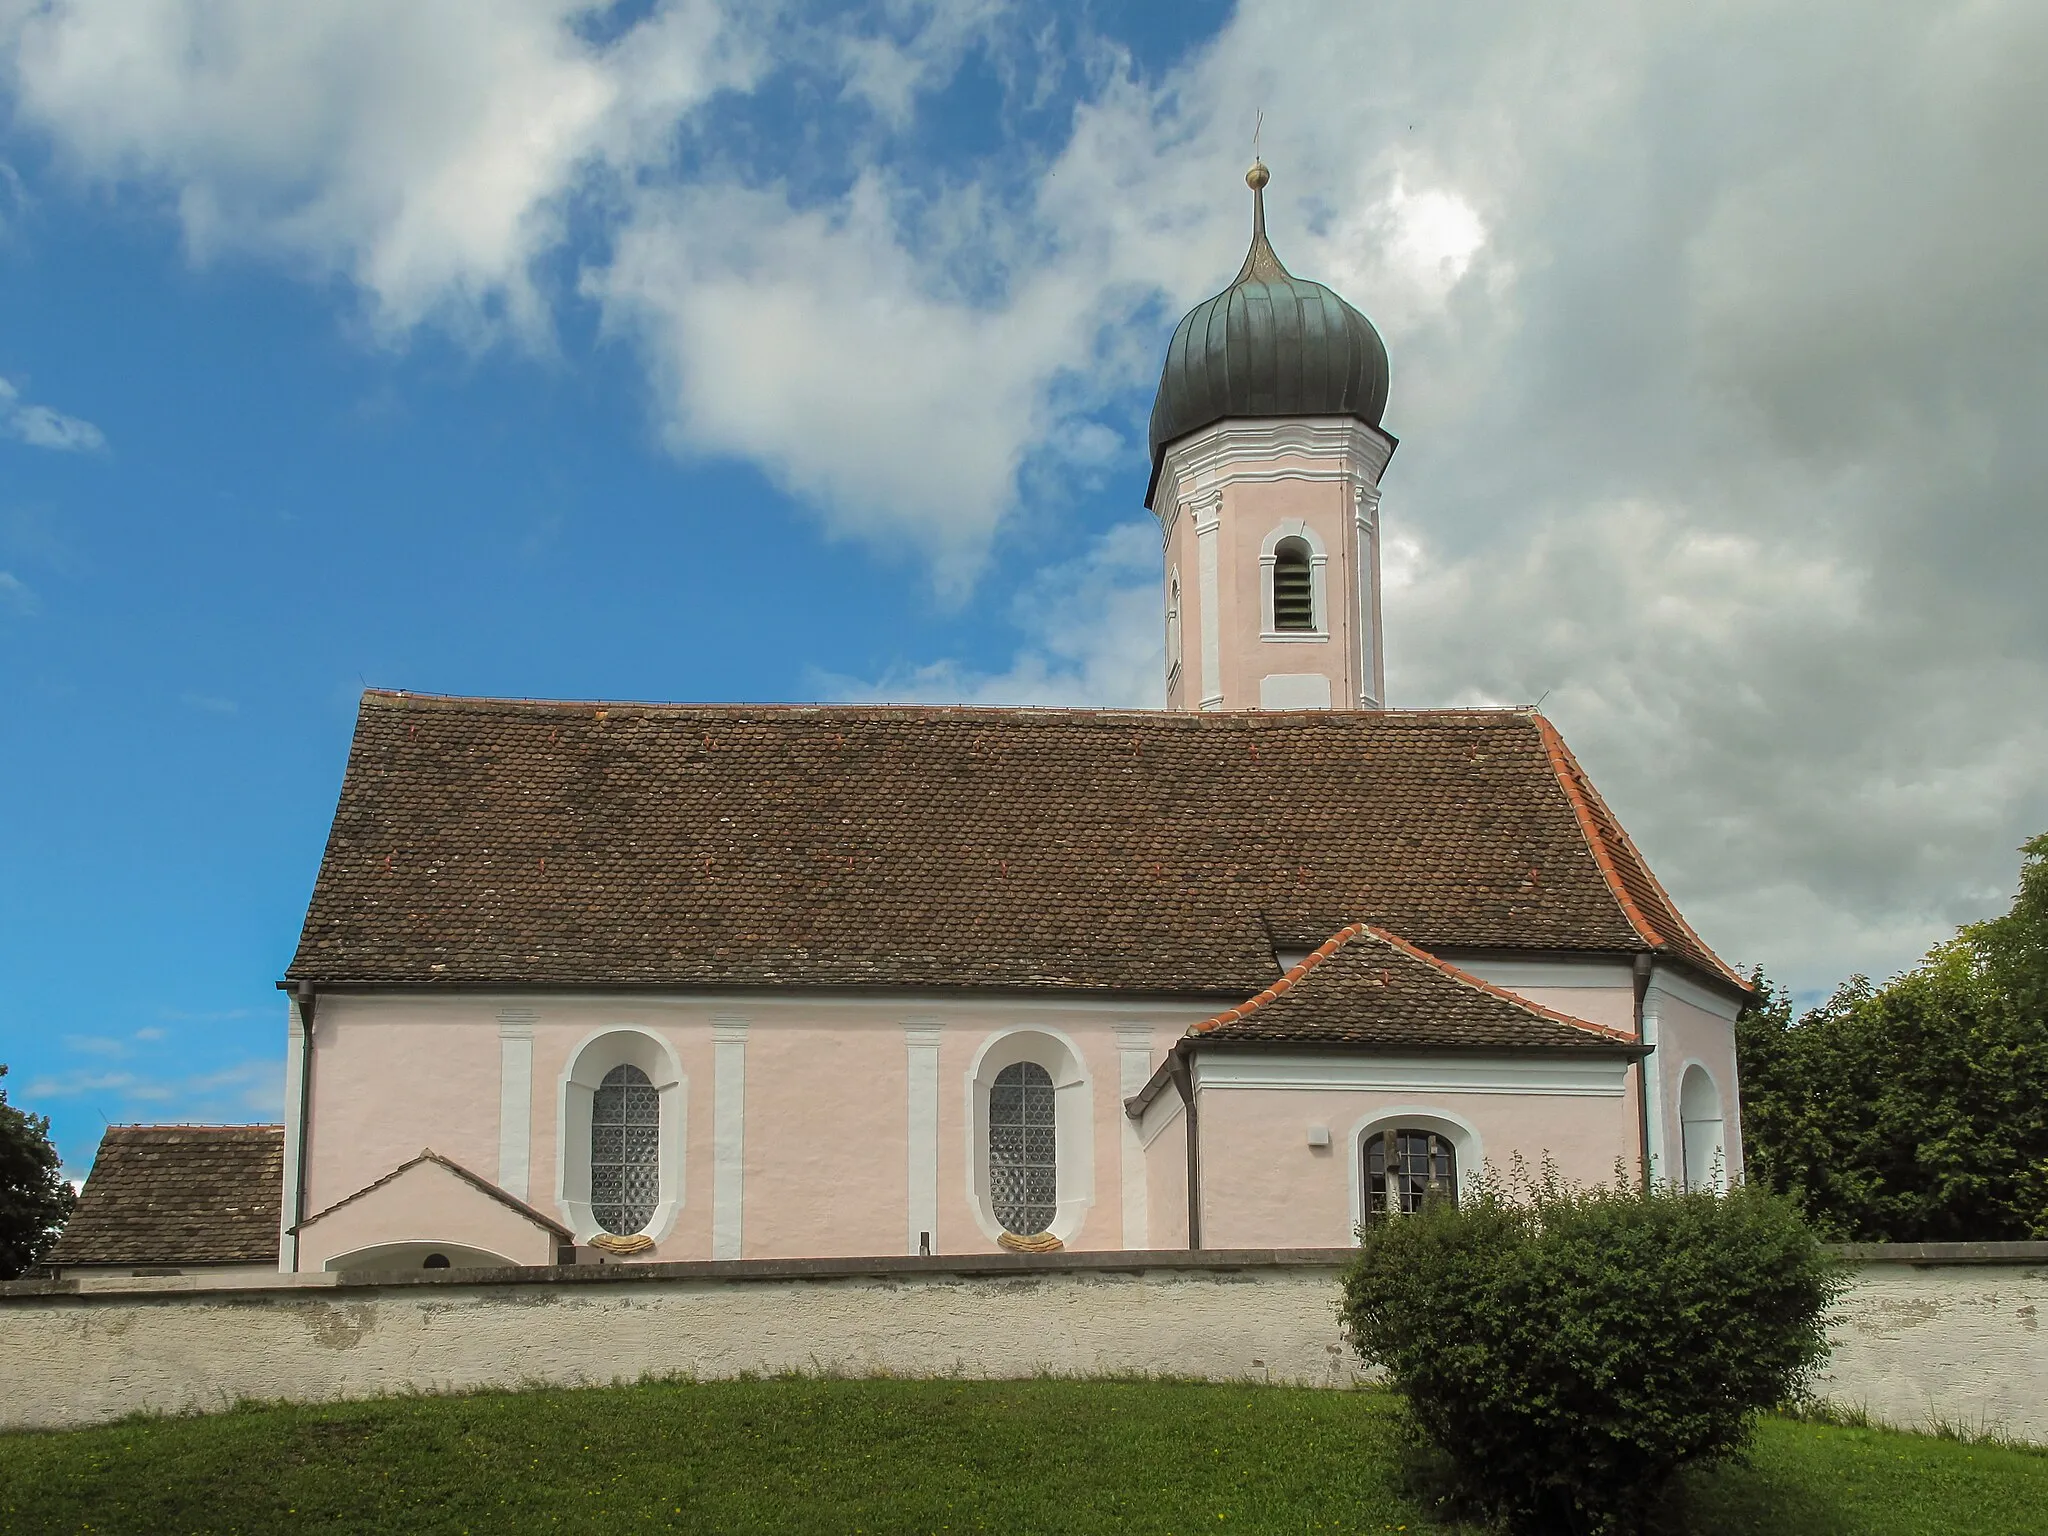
(83, 1357)
(1946, 1333)
(1949, 1333)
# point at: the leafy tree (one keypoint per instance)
(2013, 949)
(35, 1201)
(1916, 1111)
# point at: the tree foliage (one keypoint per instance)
(1568, 1351)
(1916, 1111)
(35, 1201)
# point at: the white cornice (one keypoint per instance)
(1249, 450)
(1664, 979)
(1601, 1077)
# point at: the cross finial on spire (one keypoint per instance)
(1260, 264)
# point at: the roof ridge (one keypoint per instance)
(1285, 984)
(194, 1125)
(385, 696)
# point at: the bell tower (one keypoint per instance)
(1267, 453)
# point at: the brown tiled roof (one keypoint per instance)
(501, 842)
(1650, 908)
(179, 1194)
(481, 1185)
(1367, 988)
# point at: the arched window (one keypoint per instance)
(1294, 601)
(1405, 1166)
(1023, 1157)
(625, 1141)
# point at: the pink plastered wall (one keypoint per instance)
(1687, 1034)
(1252, 512)
(829, 1137)
(390, 1079)
(825, 1134)
(1311, 490)
(1264, 1185)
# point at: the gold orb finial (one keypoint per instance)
(1257, 177)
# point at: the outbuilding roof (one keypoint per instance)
(177, 1195)
(491, 842)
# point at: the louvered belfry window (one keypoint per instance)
(1294, 602)
(625, 1136)
(1023, 1160)
(1405, 1167)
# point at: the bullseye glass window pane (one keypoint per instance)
(625, 1148)
(1023, 1152)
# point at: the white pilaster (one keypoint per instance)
(515, 1099)
(921, 1045)
(1134, 1059)
(1208, 538)
(729, 1128)
(1372, 688)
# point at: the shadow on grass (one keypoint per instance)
(1740, 1499)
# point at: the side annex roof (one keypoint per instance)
(1367, 990)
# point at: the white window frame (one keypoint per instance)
(614, 1046)
(1318, 583)
(1073, 1122)
(1462, 1134)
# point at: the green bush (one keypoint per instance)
(1568, 1350)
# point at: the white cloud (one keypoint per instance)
(812, 342)
(255, 1086)
(41, 427)
(17, 597)
(421, 148)
(1715, 334)
(1092, 632)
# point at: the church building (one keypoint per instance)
(604, 982)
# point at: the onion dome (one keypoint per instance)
(1271, 344)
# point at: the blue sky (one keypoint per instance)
(684, 351)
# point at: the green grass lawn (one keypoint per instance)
(911, 1456)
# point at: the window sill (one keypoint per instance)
(1295, 636)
